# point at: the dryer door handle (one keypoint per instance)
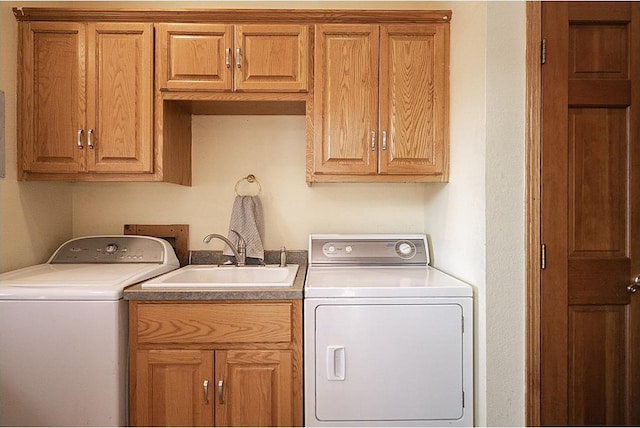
(336, 362)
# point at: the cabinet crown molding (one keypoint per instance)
(310, 16)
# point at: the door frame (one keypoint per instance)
(533, 99)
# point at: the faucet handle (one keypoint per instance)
(241, 241)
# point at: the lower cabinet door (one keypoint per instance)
(254, 388)
(173, 388)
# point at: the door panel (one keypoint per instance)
(413, 99)
(597, 333)
(120, 97)
(194, 56)
(590, 214)
(54, 101)
(256, 388)
(346, 99)
(170, 388)
(369, 366)
(272, 58)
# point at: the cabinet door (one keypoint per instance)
(120, 98)
(52, 96)
(171, 390)
(414, 96)
(271, 58)
(256, 388)
(345, 99)
(194, 57)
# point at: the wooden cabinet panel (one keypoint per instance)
(414, 100)
(194, 56)
(227, 58)
(120, 98)
(272, 58)
(392, 129)
(53, 104)
(256, 388)
(85, 100)
(171, 388)
(346, 99)
(210, 323)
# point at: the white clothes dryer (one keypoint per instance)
(388, 340)
(63, 331)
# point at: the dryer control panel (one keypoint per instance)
(111, 249)
(376, 249)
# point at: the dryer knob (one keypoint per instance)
(405, 249)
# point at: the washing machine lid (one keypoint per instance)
(382, 281)
(91, 268)
(75, 281)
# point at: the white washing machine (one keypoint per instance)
(388, 340)
(63, 331)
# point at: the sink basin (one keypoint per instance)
(206, 276)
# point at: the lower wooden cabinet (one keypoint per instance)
(179, 378)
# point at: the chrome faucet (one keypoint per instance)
(240, 253)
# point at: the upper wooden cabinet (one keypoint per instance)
(98, 100)
(85, 99)
(222, 57)
(381, 100)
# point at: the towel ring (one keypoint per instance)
(249, 179)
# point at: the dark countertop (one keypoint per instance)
(136, 292)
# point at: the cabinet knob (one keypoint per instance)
(205, 391)
(227, 57)
(238, 58)
(373, 141)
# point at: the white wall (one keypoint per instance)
(475, 221)
(34, 217)
(227, 148)
(505, 170)
(455, 212)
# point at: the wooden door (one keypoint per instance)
(120, 98)
(590, 322)
(271, 58)
(346, 99)
(194, 57)
(256, 388)
(171, 389)
(52, 98)
(414, 99)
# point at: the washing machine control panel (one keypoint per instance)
(111, 249)
(368, 250)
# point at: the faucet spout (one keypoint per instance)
(239, 253)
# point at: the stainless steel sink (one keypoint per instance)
(206, 276)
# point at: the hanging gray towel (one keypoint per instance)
(247, 219)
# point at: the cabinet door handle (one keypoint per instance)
(79, 140)
(373, 141)
(238, 58)
(384, 140)
(205, 391)
(220, 397)
(90, 138)
(227, 57)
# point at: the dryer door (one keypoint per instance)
(388, 362)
